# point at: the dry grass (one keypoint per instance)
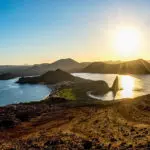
(124, 125)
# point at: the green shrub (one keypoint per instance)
(67, 93)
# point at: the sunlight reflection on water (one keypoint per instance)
(127, 85)
(130, 85)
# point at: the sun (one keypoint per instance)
(127, 41)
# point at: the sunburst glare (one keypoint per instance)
(127, 84)
(127, 41)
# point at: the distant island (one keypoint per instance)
(59, 78)
(50, 77)
(68, 65)
(139, 66)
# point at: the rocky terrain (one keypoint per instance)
(57, 123)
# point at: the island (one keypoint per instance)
(60, 78)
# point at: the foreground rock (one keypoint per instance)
(12, 115)
(58, 124)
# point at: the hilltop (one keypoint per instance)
(139, 66)
(63, 64)
(50, 77)
(68, 65)
(57, 123)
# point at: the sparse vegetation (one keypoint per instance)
(67, 93)
(123, 125)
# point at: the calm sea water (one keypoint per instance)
(131, 86)
(11, 92)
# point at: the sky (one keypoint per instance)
(41, 31)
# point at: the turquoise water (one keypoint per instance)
(131, 86)
(11, 92)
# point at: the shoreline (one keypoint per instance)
(55, 88)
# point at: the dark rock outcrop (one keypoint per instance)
(96, 87)
(50, 77)
(115, 86)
